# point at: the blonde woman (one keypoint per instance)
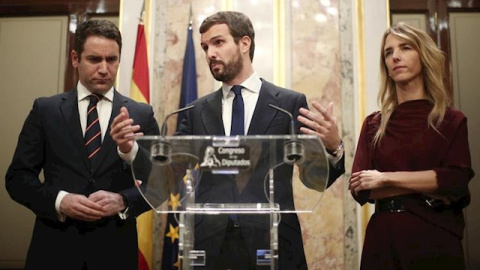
(413, 161)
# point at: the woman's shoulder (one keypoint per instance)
(454, 112)
(454, 116)
(373, 118)
(371, 124)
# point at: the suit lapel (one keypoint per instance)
(69, 109)
(264, 114)
(211, 114)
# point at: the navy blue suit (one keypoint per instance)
(206, 119)
(52, 140)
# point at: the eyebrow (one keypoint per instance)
(213, 38)
(403, 44)
(100, 56)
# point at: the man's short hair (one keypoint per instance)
(238, 24)
(102, 28)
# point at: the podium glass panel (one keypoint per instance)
(214, 183)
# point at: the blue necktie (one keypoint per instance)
(238, 126)
(93, 133)
(238, 112)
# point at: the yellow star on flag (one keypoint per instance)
(177, 263)
(174, 201)
(173, 233)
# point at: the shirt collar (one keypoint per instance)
(253, 84)
(83, 92)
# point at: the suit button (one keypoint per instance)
(92, 180)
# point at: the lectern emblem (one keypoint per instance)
(210, 159)
(225, 158)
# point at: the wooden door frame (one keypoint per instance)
(437, 14)
(76, 10)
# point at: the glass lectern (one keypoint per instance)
(206, 180)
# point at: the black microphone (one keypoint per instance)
(293, 149)
(161, 150)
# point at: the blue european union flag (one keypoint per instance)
(189, 76)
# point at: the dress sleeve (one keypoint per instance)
(363, 157)
(455, 173)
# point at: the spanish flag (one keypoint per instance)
(140, 91)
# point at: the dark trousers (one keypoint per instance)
(233, 252)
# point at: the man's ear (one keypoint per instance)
(75, 59)
(246, 42)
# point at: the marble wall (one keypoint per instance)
(318, 46)
(315, 72)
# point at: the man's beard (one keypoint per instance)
(230, 71)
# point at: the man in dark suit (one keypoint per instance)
(228, 41)
(231, 241)
(86, 206)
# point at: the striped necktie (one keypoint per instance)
(93, 133)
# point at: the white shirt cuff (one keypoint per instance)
(129, 157)
(334, 160)
(61, 217)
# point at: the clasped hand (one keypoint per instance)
(94, 207)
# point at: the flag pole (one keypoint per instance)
(142, 13)
(190, 21)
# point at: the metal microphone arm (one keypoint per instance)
(292, 124)
(163, 132)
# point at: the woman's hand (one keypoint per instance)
(366, 180)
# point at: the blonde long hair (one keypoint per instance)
(432, 60)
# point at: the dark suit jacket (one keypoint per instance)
(51, 140)
(206, 119)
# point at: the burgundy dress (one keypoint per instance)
(422, 237)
